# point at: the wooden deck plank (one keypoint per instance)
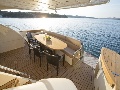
(81, 73)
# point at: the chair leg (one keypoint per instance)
(47, 66)
(29, 50)
(34, 57)
(63, 59)
(30, 55)
(57, 70)
(40, 61)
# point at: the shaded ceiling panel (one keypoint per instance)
(47, 4)
(65, 3)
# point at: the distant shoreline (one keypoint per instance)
(70, 16)
(60, 17)
(6, 14)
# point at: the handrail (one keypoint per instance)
(79, 52)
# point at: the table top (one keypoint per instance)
(53, 43)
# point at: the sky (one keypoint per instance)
(111, 9)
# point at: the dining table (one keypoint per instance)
(53, 43)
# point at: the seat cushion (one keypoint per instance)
(59, 84)
(68, 51)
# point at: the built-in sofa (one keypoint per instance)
(74, 49)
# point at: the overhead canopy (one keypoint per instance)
(47, 4)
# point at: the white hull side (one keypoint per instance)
(100, 81)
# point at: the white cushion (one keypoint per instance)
(59, 84)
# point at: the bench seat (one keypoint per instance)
(69, 51)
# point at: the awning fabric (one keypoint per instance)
(48, 4)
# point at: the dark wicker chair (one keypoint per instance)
(38, 51)
(31, 42)
(54, 60)
(29, 37)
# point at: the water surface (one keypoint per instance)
(94, 33)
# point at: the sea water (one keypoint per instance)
(94, 33)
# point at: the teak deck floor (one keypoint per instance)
(81, 73)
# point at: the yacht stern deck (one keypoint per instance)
(82, 73)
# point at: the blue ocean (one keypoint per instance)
(94, 33)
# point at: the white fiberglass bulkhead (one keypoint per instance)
(9, 39)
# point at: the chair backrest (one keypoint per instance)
(52, 59)
(29, 36)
